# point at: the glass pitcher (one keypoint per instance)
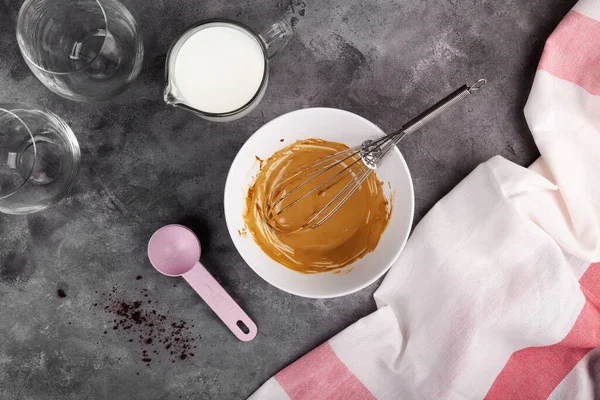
(218, 76)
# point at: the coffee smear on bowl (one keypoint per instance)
(352, 232)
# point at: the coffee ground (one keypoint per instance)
(156, 333)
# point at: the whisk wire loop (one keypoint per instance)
(369, 156)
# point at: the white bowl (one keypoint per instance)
(332, 125)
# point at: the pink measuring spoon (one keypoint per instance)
(174, 250)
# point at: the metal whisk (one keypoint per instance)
(356, 164)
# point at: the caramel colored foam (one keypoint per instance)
(351, 233)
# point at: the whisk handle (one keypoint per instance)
(440, 107)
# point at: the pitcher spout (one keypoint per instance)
(170, 96)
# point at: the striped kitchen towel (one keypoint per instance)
(496, 294)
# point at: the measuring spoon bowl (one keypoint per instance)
(174, 250)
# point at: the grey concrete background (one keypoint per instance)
(145, 165)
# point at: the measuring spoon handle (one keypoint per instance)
(221, 302)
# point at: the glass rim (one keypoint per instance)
(9, 112)
(248, 30)
(25, 54)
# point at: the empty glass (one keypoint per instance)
(39, 159)
(83, 50)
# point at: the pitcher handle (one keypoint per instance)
(276, 37)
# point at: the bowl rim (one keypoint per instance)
(360, 286)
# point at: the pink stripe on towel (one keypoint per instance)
(534, 372)
(572, 52)
(321, 375)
